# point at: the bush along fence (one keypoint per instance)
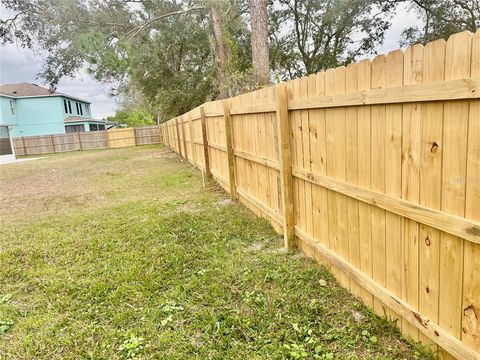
(47, 144)
(373, 168)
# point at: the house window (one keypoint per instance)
(78, 111)
(74, 128)
(65, 106)
(12, 107)
(69, 107)
(87, 109)
(93, 127)
(81, 110)
(101, 127)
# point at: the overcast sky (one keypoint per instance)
(21, 65)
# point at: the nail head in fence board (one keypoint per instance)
(229, 137)
(286, 179)
(438, 334)
(205, 141)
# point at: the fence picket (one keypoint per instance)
(378, 166)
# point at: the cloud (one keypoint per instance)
(22, 65)
(404, 17)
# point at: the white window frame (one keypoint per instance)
(13, 109)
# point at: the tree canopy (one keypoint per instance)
(168, 56)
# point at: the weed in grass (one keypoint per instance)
(131, 347)
(5, 325)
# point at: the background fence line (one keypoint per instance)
(373, 168)
(48, 144)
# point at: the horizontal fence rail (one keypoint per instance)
(115, 138)
(374, 169)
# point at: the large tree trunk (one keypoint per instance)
(222, 51)
(260, 57)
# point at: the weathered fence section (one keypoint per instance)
(47, 144)
(121, 137)
(147, 135)
(373, 168)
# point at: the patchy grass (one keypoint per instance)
(122, 254)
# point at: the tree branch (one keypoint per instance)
(148, 23)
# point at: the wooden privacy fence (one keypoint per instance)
(373, 168)
(47, 144)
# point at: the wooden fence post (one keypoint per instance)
(52, 144)
(205, 141)
(184, 139)
(24, 147)
(135, 135)
(178, 138)
(80, 141)
(286, 179)
(231, 159)
(192, 142)
(108, 139)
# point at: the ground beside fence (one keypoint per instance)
(122, 253)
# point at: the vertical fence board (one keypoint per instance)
(351, 138)
(455, 127)
(286, 179)
(364, 177)
(430, 184)
(393, 179)
(414, 152)
(471, 280)
(331, 165)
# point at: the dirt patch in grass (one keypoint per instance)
(87, 180)
(137, 260)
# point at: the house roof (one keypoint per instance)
(30, 90)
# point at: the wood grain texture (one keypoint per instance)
(375, 170)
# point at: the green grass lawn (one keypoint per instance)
(123, 254)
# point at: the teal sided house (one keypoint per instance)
(29, 110)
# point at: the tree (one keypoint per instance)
(441, 18)
(133, 117)
(260, 50)
(222, 50)
(311, 35)
(167, 49)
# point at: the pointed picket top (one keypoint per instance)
(434, 61)
(320, 83)
(304, 86)
(458, 55)
(312, 85)
(329, 81)
(351, 74)
(364, 74)
(413, 65)
(379, 67)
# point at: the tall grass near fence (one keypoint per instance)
(373, 168)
